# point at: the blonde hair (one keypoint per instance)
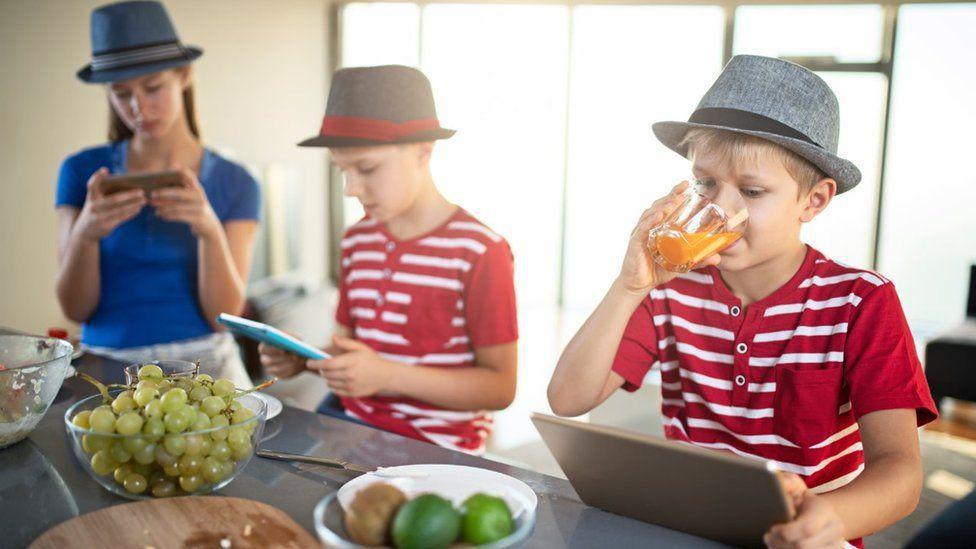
(735, 149)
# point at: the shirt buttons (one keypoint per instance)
(390, 246)
(387, 273)
(741, 348)
(735, 310)
(740, 380)
(379, 302)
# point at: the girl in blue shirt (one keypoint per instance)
(147, 273)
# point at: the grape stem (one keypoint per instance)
(102, 388)
(242, 392)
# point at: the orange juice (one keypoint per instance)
(678, 251)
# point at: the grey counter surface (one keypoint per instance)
(42, 484)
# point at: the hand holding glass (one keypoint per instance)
(698, 228)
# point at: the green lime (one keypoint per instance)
(426, 522)
(485, 519)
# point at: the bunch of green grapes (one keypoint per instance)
(180, 434)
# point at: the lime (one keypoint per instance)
(427, 521)
(485, 519)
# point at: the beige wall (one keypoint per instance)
(261, 88)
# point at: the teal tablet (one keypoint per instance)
(270, 335)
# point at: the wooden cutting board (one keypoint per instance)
(193, 522)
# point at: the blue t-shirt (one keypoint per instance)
(148, 266)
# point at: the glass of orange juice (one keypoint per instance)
(698, 228)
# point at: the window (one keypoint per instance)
(554, 105)
(616, 165)
(834, 35)
(928, 233)
(506, 97)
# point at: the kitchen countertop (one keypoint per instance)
(42, 484)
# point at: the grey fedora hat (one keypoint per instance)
(774, 100)
(378, 106)
(130, 39)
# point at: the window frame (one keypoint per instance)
(884, 66)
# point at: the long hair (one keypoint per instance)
(118, 131)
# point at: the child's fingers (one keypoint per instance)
(174, 194)
(830, 536)
(794, 532)
(327, 364)
(94, 180)
(282, 370)
(793, 485)
(774, 538)
(349, 344)
(117, 200)
(337, 384)
(770, 541)
(176, 212)
(189, 178)
(773, 541)
(277, 361)
(270, 350)
(335, 376)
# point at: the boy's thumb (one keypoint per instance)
(347, 344)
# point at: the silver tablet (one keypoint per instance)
(707, 493)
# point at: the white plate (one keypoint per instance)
(453, 482)
(274, 405)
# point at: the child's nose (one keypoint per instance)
(353, 189)
(726, 196)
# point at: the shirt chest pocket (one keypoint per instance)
(430, 317)
(806, 404)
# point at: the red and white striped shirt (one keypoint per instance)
(785, 379)
(432, 301)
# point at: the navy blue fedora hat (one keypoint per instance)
(130, 39)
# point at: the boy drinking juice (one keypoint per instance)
(769, 349)
(425, 340)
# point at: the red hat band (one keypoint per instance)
(374, 129)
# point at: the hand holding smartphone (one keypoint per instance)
(148, 182)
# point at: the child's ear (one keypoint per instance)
(817, 198)
(424, 151)
(184, 74)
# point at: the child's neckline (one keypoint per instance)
(440, 227)
(779, 294)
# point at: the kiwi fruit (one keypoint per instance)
(369, 515)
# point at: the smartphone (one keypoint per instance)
(148, 181)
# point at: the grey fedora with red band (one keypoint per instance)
(378, 106)
(777, 101)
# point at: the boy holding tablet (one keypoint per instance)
(770, 349)
(426, 330)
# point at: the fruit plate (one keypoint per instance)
(452, 482)
(274, 405)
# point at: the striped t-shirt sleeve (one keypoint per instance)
(881, 368)
(489, 297)
(638, 347)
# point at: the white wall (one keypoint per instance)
(261, 87)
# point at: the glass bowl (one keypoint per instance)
(172, 369)
(330, 526)
(34, 368)
(181, 463)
